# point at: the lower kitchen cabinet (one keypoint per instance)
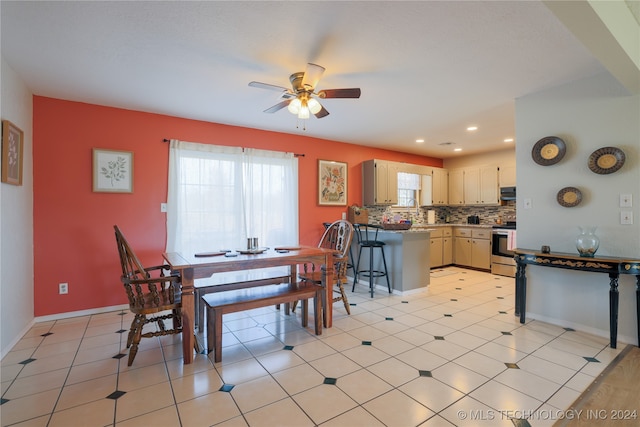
(472, 248)
(441, 251)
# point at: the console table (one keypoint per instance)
(614, 266)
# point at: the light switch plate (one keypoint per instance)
(626, 201)
(626, 217)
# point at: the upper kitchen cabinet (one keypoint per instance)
(473, 186)
(380, 182)
(440, 187)
(434, 190)
(456, 187)
(507, 176)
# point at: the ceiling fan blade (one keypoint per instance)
(322, 113)
(312, 76)
(268, 86)
(340, 93)
(278, 106)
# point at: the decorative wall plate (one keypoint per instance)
(548, 151)
(606, 160)
(569, 197)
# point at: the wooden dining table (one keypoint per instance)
(192, 267)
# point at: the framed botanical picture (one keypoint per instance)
(112, 171)
(332, 183)
(12, 143)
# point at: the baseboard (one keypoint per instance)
(79, 313)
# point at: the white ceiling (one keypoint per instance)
(427, 69)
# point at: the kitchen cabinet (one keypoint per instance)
(507, 176)
(472, 248)
(473, 186)
(380, 182)
(456, 187)
(441, 251)
(440, 187)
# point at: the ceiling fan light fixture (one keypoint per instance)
(304, 112)
(314, 105)
(294, 106)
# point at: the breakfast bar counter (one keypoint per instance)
(407, 255)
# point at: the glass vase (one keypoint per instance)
(587, 242)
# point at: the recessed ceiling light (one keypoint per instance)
(420, 141)
(457, 149)
(508, 140)
(472, 128)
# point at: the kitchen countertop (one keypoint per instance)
(420, 228)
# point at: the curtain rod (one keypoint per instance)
(295, 155)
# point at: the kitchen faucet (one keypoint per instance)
(409, 208)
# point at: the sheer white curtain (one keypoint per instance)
(218, 196)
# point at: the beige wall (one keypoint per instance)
(587, 114)
(505, 157)
(16, 220)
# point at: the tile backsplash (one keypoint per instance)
(455, 214)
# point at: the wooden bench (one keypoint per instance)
(236, 280)
(219, 303)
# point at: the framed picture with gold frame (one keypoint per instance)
(332, 183)
(112, 171)
(12, 149)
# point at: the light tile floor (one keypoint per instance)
(452, 355)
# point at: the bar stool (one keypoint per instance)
(365, 242)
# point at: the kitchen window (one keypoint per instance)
(408, 188)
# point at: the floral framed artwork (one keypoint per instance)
(112, 171)
(12, 146)
(332, 183)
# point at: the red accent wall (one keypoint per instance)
(73, 226)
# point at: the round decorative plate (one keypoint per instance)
(569, 197)
(252, 251)
(548, 151)
(208, 254)
(606, 160)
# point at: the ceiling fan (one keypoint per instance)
(302, 99)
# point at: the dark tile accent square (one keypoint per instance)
(3, 401)
(425, 373)
(512, 366)
(226, 387)
(122, 313)
(500, 297)
(458, 289)
(506, 333)
(330, 381)
(591, 359)
(520, 422)
(119, 356)
(438, 337)
(366, 342)
(388, 318)
(453, 299)
(569, 329)
(27, 361)
(116, 395)
(121, 331)
(498, 286)
(448, 315)
(287, 347)
(405, 302)
(352, 304)
(502, 312)
(46, 334)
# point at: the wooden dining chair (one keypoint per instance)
(153, 296)
(337, 236)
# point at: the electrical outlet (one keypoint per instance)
(626, 201)
(626, 217)
(163, 207)
(63, 288)
(527, 203)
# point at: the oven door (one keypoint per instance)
(502, 261)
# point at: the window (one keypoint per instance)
(218, 196)
(408, 186)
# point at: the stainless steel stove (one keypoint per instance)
(502, 262)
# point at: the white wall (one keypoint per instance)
(588, 114)
(16, 220)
